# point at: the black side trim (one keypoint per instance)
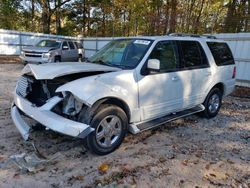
(168, 118)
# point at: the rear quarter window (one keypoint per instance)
(221, 53)
(71, 45)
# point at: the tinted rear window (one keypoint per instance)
(193, 54)
(71, 45)
(78, 45)
(221, 53)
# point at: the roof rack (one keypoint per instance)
(191, 35)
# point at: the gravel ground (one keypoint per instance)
(189, 152)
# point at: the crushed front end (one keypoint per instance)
(38, 100)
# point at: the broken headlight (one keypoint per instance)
(71, 106)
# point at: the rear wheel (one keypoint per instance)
(80, 58)
(110, 123)
(212, 103)
(57, 59)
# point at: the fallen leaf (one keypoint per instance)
(207, 166)
(229, 161)
(162, 159)
(103, 168)
(16, 176)
(185, 162)
(76, 178)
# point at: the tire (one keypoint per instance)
(57, 59)
(80, 58)
(212, 103)
(110, 134)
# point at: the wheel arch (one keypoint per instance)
(220, 86)
(115, 101)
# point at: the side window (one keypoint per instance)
(65, 46)
(166, 53)
(221, 53)
(79, 45)
(193, 55)
(71, 45)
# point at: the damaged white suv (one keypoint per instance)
(132, 84)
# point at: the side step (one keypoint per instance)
(136, 128)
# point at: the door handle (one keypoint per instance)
(175, 78)
(209, 73)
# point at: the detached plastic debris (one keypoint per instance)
(29, 163)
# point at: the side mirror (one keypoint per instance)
(153, 65)
(65, 47)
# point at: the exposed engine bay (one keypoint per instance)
(38, 92)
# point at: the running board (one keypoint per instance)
(136, 128)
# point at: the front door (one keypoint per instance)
(161, 93)
(65, 52)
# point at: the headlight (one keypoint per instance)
(47, 55)
(22, 53)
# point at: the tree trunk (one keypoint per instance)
(173, 16)
(45, 16)
(58, 16)
(230, 25)
(33, 11)
(197, 21)
(166, 18)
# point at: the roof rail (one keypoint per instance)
(191, 35)
(209, 36)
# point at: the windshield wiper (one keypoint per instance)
(103, 63)
(108, 64)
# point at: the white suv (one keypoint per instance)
(132, 84)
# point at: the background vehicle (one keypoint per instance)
(132, 84)
(48, 51)
(81, 51)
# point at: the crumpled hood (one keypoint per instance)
(38, 49)
(53, 70)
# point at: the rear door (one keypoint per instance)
(73, 51)
(195, 72)
(223, 58)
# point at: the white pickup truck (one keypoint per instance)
(132, 84)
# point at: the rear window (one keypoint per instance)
(193, 55)
(71, 45)
(78, 45)
(221, 53)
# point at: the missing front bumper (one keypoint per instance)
(46, 117)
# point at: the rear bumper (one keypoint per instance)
(46, 117)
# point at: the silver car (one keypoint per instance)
(49, 50)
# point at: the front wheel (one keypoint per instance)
(110, 124)
(57, 59)
(212, 103)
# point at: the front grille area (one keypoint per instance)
(22, 86)
(37, 91)
(33, 54)
(31, 89)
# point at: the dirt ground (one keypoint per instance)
(190, 152)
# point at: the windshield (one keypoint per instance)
(49, 43)
(124, 53)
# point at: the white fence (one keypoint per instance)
(11, 43)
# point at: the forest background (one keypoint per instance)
(105, 18)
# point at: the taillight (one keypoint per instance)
(234, 73)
